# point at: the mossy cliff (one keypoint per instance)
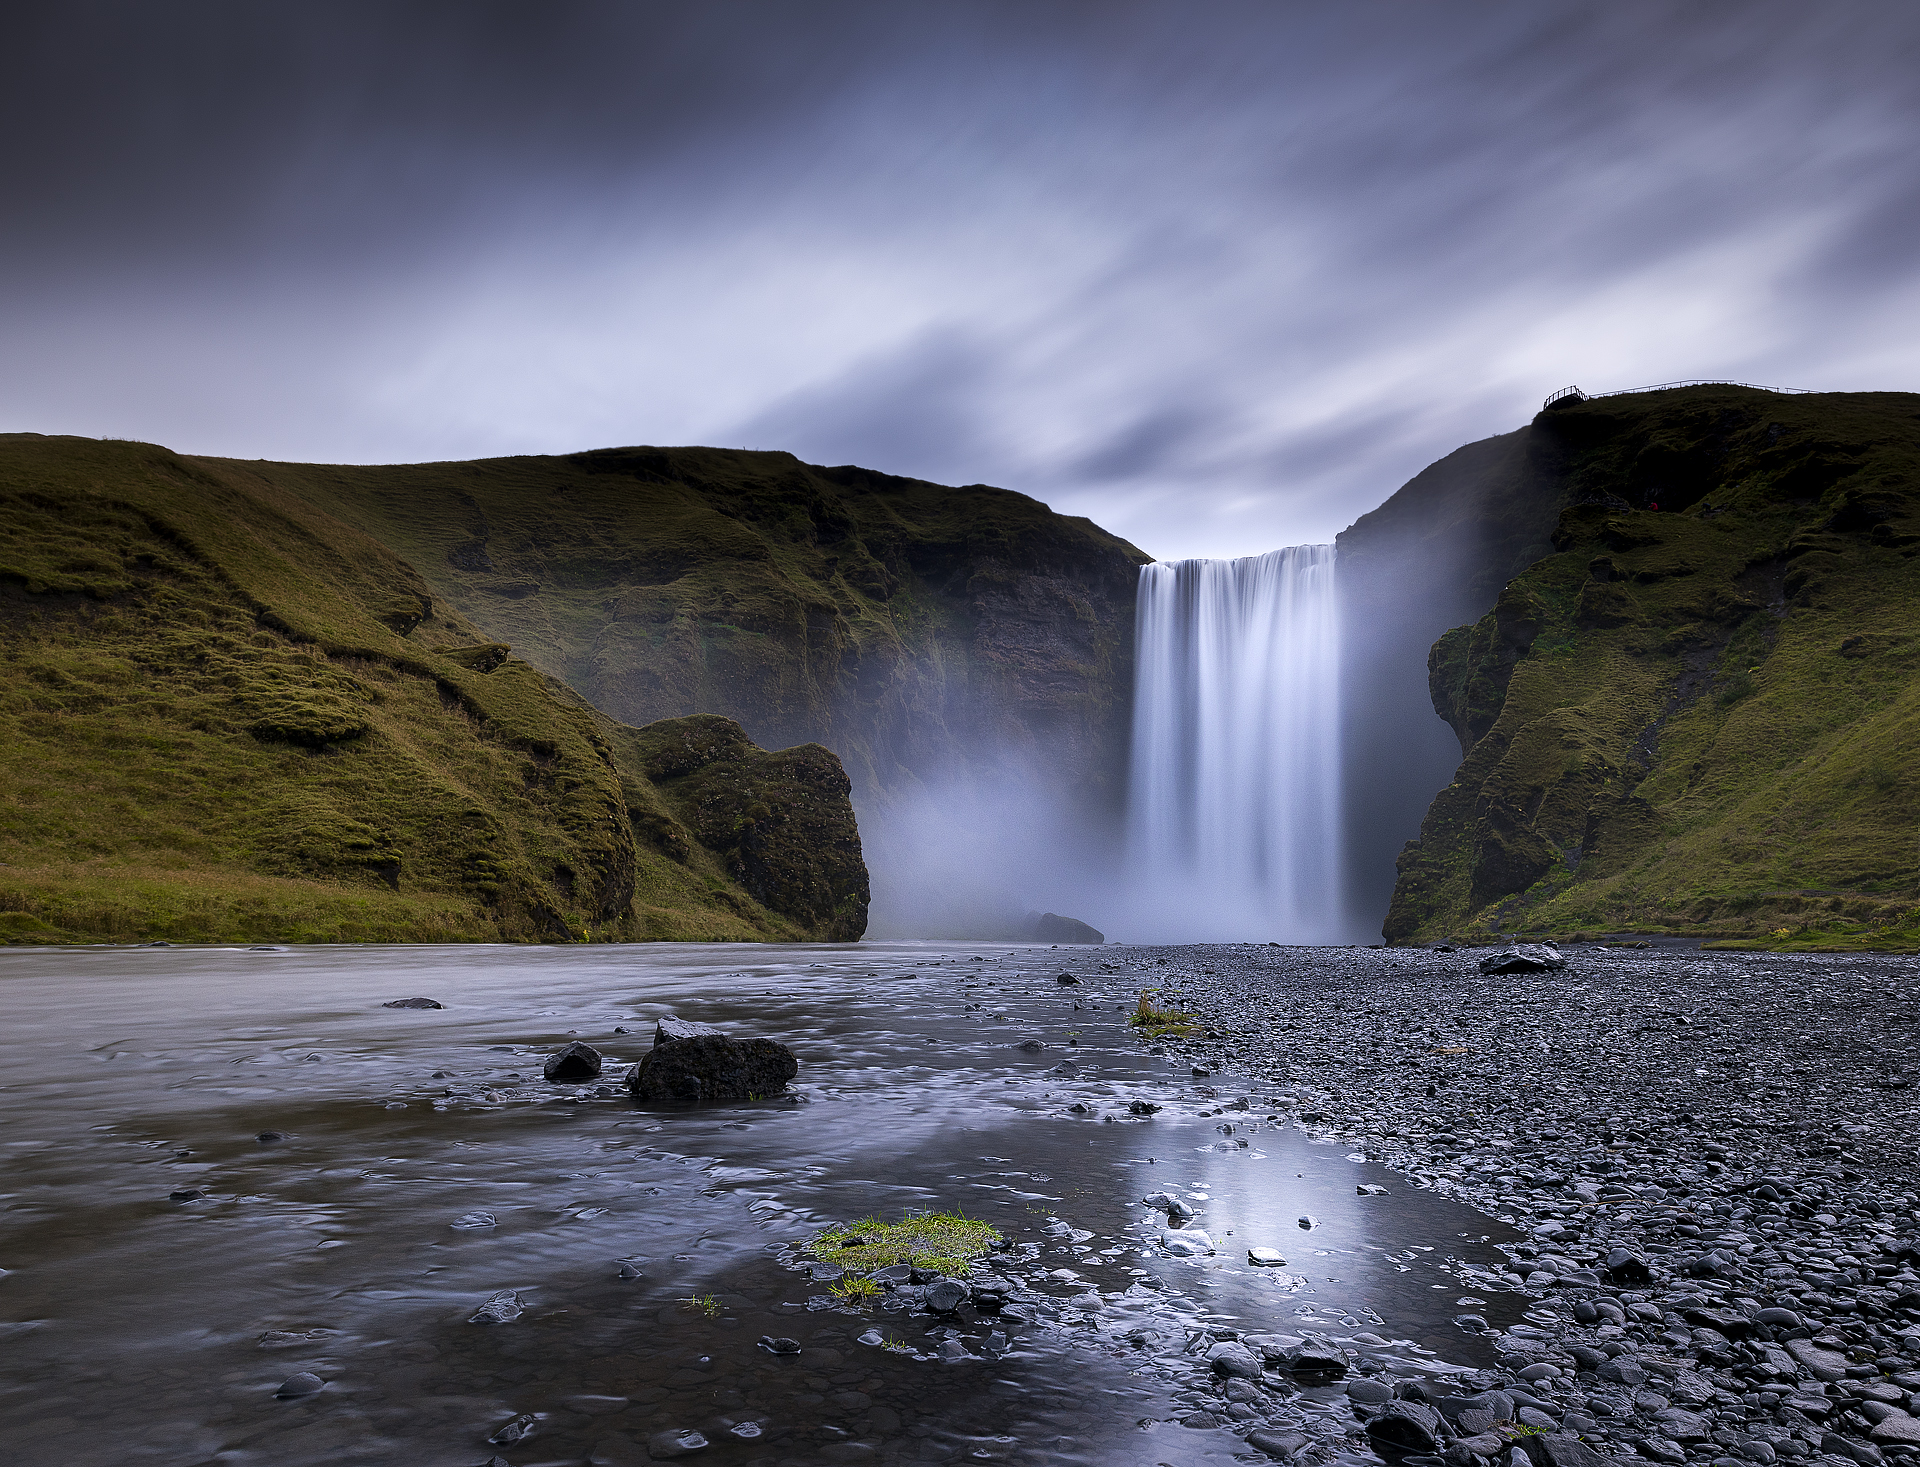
(1699, 712)
(226, 715)
(919, 631)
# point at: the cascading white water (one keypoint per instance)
(1234, 807)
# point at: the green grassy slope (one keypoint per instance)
(225, 715)
(1702, 718)
(910, 627)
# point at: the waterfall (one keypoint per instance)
(1234, 807)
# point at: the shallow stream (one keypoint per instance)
(137, 1328)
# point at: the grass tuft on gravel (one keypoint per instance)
(940, 1242)
(1159, 1023)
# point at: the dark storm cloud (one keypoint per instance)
(1220, 277)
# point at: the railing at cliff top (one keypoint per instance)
(1578, 396)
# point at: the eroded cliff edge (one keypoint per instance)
(1699, 711)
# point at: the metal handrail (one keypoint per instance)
(1575, 392)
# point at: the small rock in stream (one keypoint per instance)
(572, 1064)
(306, 1383)
(502, 1308)
(412, 1003)
(515, 1431)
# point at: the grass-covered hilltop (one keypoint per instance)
(1700, 712)
(226, 715)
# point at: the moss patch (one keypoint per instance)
(940, 1242)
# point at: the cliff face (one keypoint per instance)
(951, 645)
(1431, 557)
(225, 715)
(1698, 711)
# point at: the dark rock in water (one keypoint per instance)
(1065, 1070)
(516, 1430)
(574, 1063)
(306, 1383)
(1405, 1426)
(779, 1345)
(1319, 1361)
(893, 1273)
(1280, 1445)
(1031, 1046)
(412, 1003)
(946, 1295)
(1141, 1107)
(1050, 927)
(712, 1067)
(1067, 980)
(1524, 958)
(186, 1194)
(666, 1030)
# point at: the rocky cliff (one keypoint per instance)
(1697, 708)
(226, 715)
(965, 651)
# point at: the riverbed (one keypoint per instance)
(229, 1168)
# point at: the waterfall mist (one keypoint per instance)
(1234, 818)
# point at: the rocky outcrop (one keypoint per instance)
(1689, 711)
(782, 823)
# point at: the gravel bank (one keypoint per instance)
(1712, 1156)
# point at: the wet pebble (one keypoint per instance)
(305, 1383)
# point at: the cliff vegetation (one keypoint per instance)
(1699, 712)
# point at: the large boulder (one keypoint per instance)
(691, 1063)
(1524, 957)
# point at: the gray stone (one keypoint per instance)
(1369, 1392)
(944, 1296)
(669, 1029)
(1266, 1258)
(1405, 1426)
(306, 1383)
(1897, 1428)
(779, 1345)
(1623, 1370)
(1280, 1445)
(1234, 1360)
(1562, 1449)
(1827, 1365)
(1865, 1453)
(412, 1003)
(502, 1308)
(572, 1064)
(1524, 958)
(516, 1430)
(711, 1067)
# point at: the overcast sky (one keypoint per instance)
(1220, 276)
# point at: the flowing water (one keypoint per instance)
(1234, 806)
(166, 1268)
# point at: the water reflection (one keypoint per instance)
(138, 1328)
